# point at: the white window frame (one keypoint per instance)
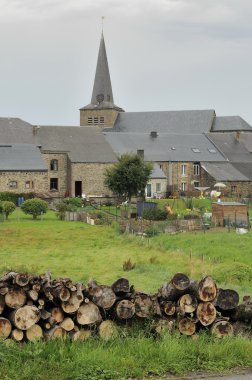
(184, 170)
(196, 169)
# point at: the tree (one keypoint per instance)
(129, 176)
(34, 207)
(8, 208)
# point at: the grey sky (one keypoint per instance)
(163, 55)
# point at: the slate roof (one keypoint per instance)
(165, 147)
(21, 157)
(82, 144)
(184, 122)
(157, 172)
(230, 123)
(15, 131)
(235, 150)
(223, 171)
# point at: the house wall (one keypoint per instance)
(92, 177)
(38, 179)
(109, 115)
(62, 173)
(163, 187)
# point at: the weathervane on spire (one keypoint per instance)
(102, 20)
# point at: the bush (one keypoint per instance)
(151, 231)
(34, 207)
(13, 197)
(154, 214)
(75, 203)
(62, 207)
(8, 208)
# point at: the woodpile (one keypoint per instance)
(36, 307)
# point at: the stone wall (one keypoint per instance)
(109, 116)
(26, 182)
(92, 177)
(60, 172)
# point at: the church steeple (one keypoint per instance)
(102, 90)
(101, 111)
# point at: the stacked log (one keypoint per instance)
(39, 307)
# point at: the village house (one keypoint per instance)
(189, 149)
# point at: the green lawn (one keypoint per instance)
(80, 251)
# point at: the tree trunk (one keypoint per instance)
(125, 309)
(35, 332)
(108, 330)
(25, 317)
(227, 299)
(222, 328)
(21, 279)
(243, 312)
(67, 324)
(5, 328)
(121, 286)
(207, 290)
(72, 305)
(173, 290)
(15, 298)
(206, 313)
(102, 295)
(88, 314)
(187, 326)
(188, 303)
(17, 335)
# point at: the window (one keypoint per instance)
(196, 184)
(101, 120)
(195, 150)
(29, 184)
(158, 186)
(53, 184)
(90, 120)
(183, 170)
(233, 189)
(211, 150)
(54, 165)
(196, 169)
(96, 121)
(184, 186)
(13, 184)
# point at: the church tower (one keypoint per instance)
(101, 111)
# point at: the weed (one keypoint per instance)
(128, 265)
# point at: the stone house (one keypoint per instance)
(189, 149)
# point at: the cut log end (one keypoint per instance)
(222, 329)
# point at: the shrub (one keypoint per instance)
(151, 231)
(75, 203)
(34, 207)
(8, 208)
(13, 197)
(128, 265)
(154, 214)
(62, 207)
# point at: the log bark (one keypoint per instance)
(243, 312)
(15, 298)
(72, 305)
(121, 286)
(2, 304)
(35, 332)
(17, 335)
(188, 303)
(5, 328)
(180, 281)
(173, 290)
(227, 299)
(207, 289)
(55, 333)
(88, 314)
(222, 328)
(186, 326)
(206, 313)
(164, 325)
(108, 330)
(125, 309)
(25, 317)
(21, 279)
(33, 295)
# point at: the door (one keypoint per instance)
(148, 190)
(78, 188)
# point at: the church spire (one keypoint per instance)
(102, 90)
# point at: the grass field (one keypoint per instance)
(80, 251)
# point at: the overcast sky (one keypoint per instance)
(163, 55)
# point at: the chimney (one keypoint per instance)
(153, 134)
(35, 129)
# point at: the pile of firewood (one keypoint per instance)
(34, 307)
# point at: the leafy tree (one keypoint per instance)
(34, 207)
(8, 208)
(129, 176)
